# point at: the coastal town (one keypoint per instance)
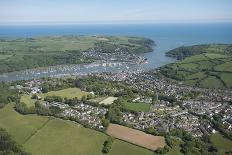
(163, 115)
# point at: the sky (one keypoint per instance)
(114, 11)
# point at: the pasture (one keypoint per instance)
(137, 106)
(136, 137)
(70, 93)
(205, 70)
(21, 127)
(41, 135)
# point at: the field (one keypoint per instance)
(136, 137)
(124, 148)
(49, 136)
(222, 144)
(137, 106)
(27, 99)
(108, 100)
(209, 68)
(21, 127)
(70, 93)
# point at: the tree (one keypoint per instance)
(105, 122)
(45, 88)
(34, 96)
(22, 108)
(8, 145)
(107, 145)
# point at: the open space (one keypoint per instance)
(108, 100)
(221, 143)
(58, 136)
(136, 137)
(137, 106)
(70, 93)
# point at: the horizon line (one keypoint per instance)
(112, 22)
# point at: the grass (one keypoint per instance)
(124, 148)
(2, 57)
(27, 100)
(19, 126)
(137, 106)
(174, 151)
(226, 77)
(44, 135)
(70, 93)
(211, 82)
(224, 67)
(208, 66)
(221, 143)
(65, 137)
(98, 99)
(108, 100)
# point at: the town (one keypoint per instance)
(163, 115)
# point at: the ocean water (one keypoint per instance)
(166, 37)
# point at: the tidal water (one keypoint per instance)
(166, 37)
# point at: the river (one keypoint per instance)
(166, 37)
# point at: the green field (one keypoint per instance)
(137, 106)
(50, 136)
(124, 148)
(207, 66)
(70, 93)
(21, 127)
(27, 100)
(222, 144)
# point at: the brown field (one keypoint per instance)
(136, 137)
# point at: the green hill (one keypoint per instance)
(207, 66)
(25, 53)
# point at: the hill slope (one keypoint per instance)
(24, 53)
(208, 66)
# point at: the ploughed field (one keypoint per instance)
(136, 137)
(26, 53)
(207, 66)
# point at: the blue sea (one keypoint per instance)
(166, 36)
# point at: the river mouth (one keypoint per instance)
(166, 37)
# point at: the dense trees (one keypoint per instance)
(7, 95)
(191, 145)
(8, 146)
(53, 99)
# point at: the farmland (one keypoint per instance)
(56, 136)
(207, 66)
(136, 137)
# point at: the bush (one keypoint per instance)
(23, 109)
(107, 145)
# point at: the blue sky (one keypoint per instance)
(140, 11)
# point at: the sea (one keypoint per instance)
(166, 36)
